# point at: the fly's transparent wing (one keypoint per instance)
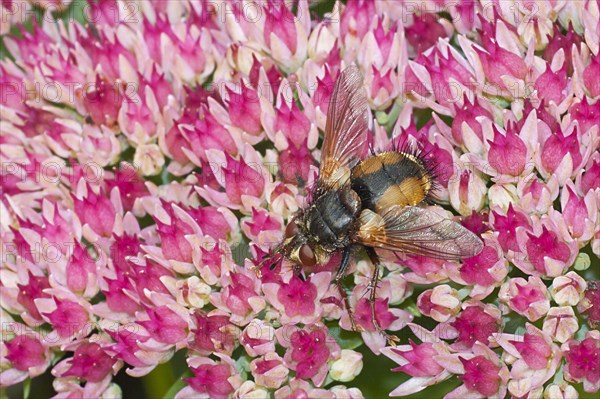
(417, 231)
(346, 129)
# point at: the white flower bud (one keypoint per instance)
(561, 323)
(568, 290)
(149, 159)
(560, 391)
(348, 366)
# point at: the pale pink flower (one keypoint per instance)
(439, 303)
(528, 298)
(89, 362)
(537, 359)
(484, 271)
(347, 367)
(213, 333)
(420, 362)
(482, 372)
(392, 319)
(25, 356)
(381, 47)
(579, 215)
(300, 388)
(239, 296)
(258, 338)
(212, 379)
(285, 34)
(467, 191)
(547, 252)
(269, 370)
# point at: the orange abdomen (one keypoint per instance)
(391, 178)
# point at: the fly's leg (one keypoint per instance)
(257, 268)
(373, 285)
(338, 282)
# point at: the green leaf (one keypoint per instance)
(26, 388)
(411, 307)
(346, 339)
(177, 386)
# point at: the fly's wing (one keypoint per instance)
(417, 231)
(345, 130)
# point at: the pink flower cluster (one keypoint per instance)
(152, 155)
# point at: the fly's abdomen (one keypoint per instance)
(391, 178)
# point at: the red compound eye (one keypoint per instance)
(307, 256)
(292, 229)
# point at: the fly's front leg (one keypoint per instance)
(373, 285)
(268, 257)
(338, 282)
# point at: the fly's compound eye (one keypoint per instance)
(292, 229)
(307, 256)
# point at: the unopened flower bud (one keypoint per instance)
(568, 290)
(561, 323)
(560, 391)
(439, 303)
(348, 366)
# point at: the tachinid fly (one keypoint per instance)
(363, 203)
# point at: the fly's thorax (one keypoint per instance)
(329, 219)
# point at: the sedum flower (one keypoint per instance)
(536, 359)
(90, 363)
(589, 304)
(476, 323)
(547, 253)
(285, 34)
(347, 367)
(507, 153)
(298, 300)
(95, 210)
(560, 391)
(149, 166)
(269, 370)
(582, 359)
(561, 323)
(23, 357)
(308, 351)
(568, 289)
(500, 65)
(528, 298)
(439, 303)
(420, 362)
(68, 317)
(257, 338)
(391, 319)
(467, 190)
(214, 379)
(561, 152)
(482, 372)
(425, 31)
(579, 214)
